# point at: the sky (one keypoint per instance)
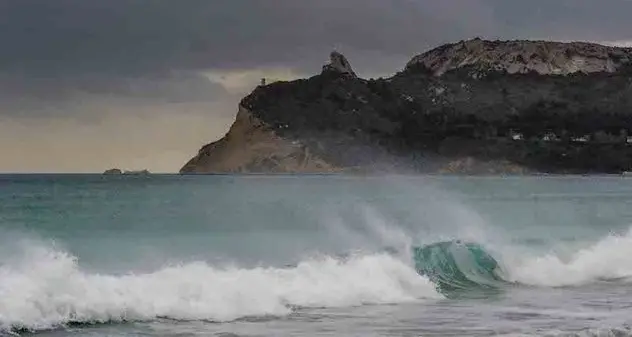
(142, 84)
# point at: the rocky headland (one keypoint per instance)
(472, 107)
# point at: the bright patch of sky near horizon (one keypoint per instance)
(86, 86)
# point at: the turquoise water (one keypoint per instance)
(90, 255)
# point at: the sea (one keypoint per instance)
(315, 255)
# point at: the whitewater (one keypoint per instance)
(315, 255)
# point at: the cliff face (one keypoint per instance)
(251, 146)
(471, 107)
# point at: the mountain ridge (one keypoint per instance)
(521, 56)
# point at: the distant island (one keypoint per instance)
(472, 107)
(116, 171)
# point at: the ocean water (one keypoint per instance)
(91, 255)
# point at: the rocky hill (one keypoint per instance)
(474, 107)
(543, 57)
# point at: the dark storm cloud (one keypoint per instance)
(149, 35)
(123, 36)
(59, 48)
(55, 52)
(573, 19)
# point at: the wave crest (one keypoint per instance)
(455, 266)
(46, 289)
(608, 259)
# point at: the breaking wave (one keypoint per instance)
(610, 259)
(45, 288)
(458, 266)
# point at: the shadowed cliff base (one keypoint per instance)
(473, 107)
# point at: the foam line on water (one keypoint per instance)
(608, 259)
(44, 288)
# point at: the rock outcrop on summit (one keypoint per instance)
(473, 107)
(338, 64)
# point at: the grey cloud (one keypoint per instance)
(53, 50)
(123, 36)
(61, 96)
(565, 19)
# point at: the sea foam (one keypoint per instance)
(45, 288)
(607, 259)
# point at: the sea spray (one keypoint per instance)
(415, 211)
(367, 230)
(45, 288)
(608, 259)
